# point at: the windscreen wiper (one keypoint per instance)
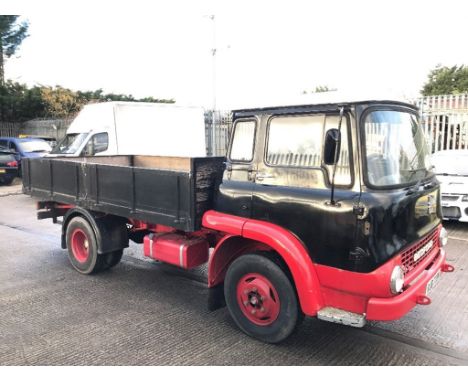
(448, 174)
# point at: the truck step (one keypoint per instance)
(340, 316)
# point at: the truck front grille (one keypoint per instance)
(414, 255)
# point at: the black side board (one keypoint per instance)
(171, 197)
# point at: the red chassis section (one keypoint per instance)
(319, 286)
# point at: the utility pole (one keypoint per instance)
(213, 54)
(213, 113)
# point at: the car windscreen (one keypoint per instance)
(34, 146)
(450, 163)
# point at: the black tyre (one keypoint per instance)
(6, 181)
(261, 299)
(82, 247)
(111, 259)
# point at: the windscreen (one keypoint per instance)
(453, 162)
(36, 146)
(70, 144)
(395, 148)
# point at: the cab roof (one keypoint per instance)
(326, 100)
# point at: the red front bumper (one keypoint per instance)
(396, 307)
(369, 293)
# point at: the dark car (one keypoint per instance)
(25, 148)
(8, 167)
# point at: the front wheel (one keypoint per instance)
(261, 299)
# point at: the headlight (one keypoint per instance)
(465, 198)
(397, 279)
(443, 237)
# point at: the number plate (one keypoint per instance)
(432, 283)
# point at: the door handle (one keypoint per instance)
(263, 176)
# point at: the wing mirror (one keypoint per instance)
(332, 147)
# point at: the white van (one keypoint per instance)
(135, 128)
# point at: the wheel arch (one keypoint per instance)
(246, 235)
(110, 231)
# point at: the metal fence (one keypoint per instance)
(10, 129)
(445, 121)
(52, 128)
(218, 127)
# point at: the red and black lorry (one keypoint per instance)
(328, 210)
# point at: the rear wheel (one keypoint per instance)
(261, 298)
(82, 247)
(111, 259)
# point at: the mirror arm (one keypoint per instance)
(337, 154)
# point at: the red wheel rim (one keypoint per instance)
(258, 299)
(80, 245)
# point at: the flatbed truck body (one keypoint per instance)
(326, 210)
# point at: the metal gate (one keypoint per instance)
(218, 127)
(445, 121)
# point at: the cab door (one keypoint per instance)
(235, 192)
(292, 185)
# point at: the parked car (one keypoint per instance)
(8, 167)
(25, 148)
(451, 167)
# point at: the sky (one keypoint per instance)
(264, 49)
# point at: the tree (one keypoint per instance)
(12, 35)
(20, 103)
(446, 80)
(60, 102)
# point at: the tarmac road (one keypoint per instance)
(146, 313)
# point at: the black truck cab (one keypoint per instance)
(385, 197)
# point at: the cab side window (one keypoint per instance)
(297, 141)
(97, 144)
(242, 147)
(100, 142)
